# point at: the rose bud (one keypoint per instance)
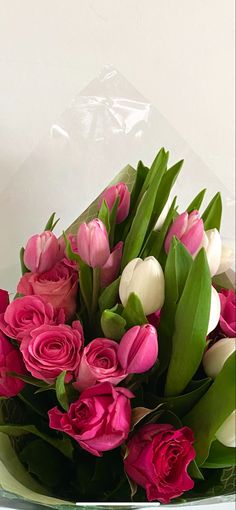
(189, 229)
(228, 312)
(93, 244)
(226, 434)
(146, 279)
(110, 195)
(99, 421)
(10, 361)
(212, 244)
(158, 458)
(216, 356)
(111, 268)
(4, 300)
(214, 310)
(41, 252)
(227, 260)
(138, 349)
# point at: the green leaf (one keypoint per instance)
(29, 380)
(24, 269)
(156, 239)
(63, 445)
(141, 415)
(194, 471)
(196, 202)
(191, 323)
(133, 312)
(50, 225)
(61, 391)
(212, 410)
(86, 284)
(109, 296)
(104, 215)
(113, 325)
(212, 215)
(113, 214)
(159, 163)
(141, 175)
(220, 456)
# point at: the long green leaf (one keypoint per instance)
(61, 391)
(104, 215)
(213, 409)
(141, 175)
(220, 456)
(159, 161)
(212, 215)
(109, 296)
(156, 240)
(196, 202)
(133, 312)
(24, 269)
(191, 323)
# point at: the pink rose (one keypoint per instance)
(27, 313)
(228, 312)
(49, 350)
(110, 270)
(158, 457)
(58, 286)
(99, 420)
(10, 361)
(4, 300)
(99, 363)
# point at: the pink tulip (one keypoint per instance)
(4, 300)
(138, 349)
(189, 229)
(92, 243)
(110, 270)
(110, 195)
(41, 252)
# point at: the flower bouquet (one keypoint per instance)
(117, 354)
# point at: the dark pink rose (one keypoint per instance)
(49, 350)
(228, 312)
(10, 361)
(58, 286)
(4, 300)
(99, 420)
(27, 313)
(158, 457)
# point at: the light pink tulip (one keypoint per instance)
(41, 252)
(138, 349)
(189, 229)
(93, 244)
(110, 270)
(110, 195)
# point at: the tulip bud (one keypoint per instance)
(189, 229)
(92, 243)
(227, 260)
(111, 268)
(110, 195)
(215, 357)
(163, 215)
(146, 279)
(212, 244)
(226, 434)
(138, 349)
(214, 310)
(41, 252)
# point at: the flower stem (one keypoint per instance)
(96, 288)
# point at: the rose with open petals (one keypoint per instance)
(158, 457)
(10, 361)
(58, 286)
(99, 420)
(228, 312)
(27, 313)
(49, 350)
(4, 300)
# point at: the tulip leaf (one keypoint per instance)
(112, 221)
(63, 445)
(61, 391)
(220, 456)
(109, 296)
(29, 380)
(191, 324)
(158, 166)
(104, 215)
(212, 410)
(51, 223)
(133, 312)
(113, 325)
(24, 269)
(156, 239)
(194, 471)
(196, 202)
(141, 175)
(141, 415)
(212, 215)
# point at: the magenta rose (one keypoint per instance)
(228, 312)
(49, 350)
(4, 300)
(27, 313)
(58, 286)
(99, 420)
(158, 457)
(10, 361)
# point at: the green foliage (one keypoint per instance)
(212, 215)
(133, 312)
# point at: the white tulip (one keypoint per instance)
(226, 434)
(213, 246)
(214, 310)
(227, 259)
(163, 215)
(146, 279)
(216, 356)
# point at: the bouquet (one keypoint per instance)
(117, 353)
